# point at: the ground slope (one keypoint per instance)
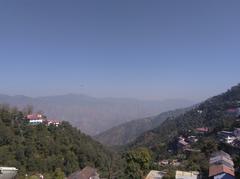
(211, 113)
(128, 132)
(48, 149)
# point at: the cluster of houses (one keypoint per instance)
(35, 119)
(184, 143)
(221, 166)
(230, 137)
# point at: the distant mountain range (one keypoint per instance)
(129, 131)
(94, 115)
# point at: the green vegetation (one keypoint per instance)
(212, 114)
(138, 163)
(128, 132)
(58, 151)
(52, 151)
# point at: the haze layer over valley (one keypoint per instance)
(94, 115)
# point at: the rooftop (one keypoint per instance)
(8, 172)
(221, 160)
(85, 173)
(187, 175)
(202, 129)
(219, 169)
(8, 168)
(183, 142)
(221, 153)
(154, 174)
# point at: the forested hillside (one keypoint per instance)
(171, 141)
(50, 150)
(58, 151)
(128, 132)
(213, 114)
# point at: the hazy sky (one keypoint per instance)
(152, 49)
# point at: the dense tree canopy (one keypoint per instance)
(213, 114)
(138, 163)
(54, 151)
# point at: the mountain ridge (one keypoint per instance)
(129, 131)
(213, 114)
(90, 114)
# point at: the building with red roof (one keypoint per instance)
(202, 130)
(35, 119)
(221, 172)
(221, 166)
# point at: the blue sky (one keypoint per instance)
(141, 49)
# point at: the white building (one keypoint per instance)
(229, 139)
(8, 172)
(35, 121)
(187, 175)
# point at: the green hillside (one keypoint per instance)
(162, 142)
(52, 151)
(58, 151)
(213, 115)
(128, 132)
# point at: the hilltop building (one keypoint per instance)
(36, 119)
